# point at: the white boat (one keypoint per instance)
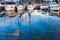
(44, 6)
(54, 6)
(10, 8)
(20, 9)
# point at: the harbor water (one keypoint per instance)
(38, 26)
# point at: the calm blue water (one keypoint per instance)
(37, 28)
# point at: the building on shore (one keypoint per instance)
(38, 1)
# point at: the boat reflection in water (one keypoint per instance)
(54, 13)
(37, 26)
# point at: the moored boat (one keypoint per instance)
(10, 8)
